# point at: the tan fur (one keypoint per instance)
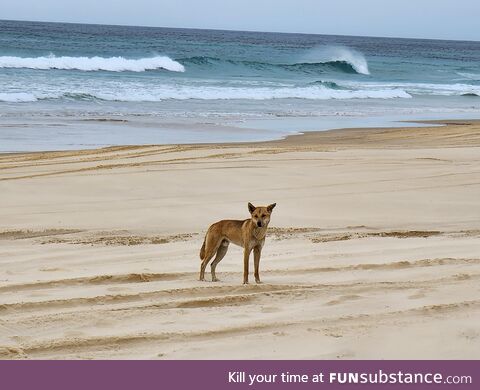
(249, 234)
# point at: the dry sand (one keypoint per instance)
(373, 251)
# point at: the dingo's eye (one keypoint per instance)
(263, 215)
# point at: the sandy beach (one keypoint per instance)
(373, 251)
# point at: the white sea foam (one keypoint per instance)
(172, 92)
(219, 93)
(112, 64)
(17, 97)
(421, 88)
(338, 53)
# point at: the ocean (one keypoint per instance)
(68, 86)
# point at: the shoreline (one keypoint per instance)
(356, 137)
(304, 138)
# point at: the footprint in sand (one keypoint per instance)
(335, 335)
(343, 299)
(417, 295)
(38, 295)
(269, 309)
(119, 289)
(101, 323)
(422, 293)
(470, 334)
(51, 269)
(21, 339)
(74, 333)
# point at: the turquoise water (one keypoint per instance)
(58, 74)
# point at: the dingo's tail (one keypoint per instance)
(202, 251)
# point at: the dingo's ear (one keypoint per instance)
(251, 208)
(271, 207)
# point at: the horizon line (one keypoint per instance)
(235, 30)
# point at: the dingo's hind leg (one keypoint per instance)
(211, 247)
(221, 252)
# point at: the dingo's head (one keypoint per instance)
(261, 215)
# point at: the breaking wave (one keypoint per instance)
(218, 93)
(316, 92)
(328, 84)
(111, 64)
(330, 59)
(312, 67)
(342, 57)
(17, 97)
(341, 66)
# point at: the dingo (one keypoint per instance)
(249, 234)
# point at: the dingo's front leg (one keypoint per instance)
(257, 252)
(246, 258)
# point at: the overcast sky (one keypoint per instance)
(443, 19)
